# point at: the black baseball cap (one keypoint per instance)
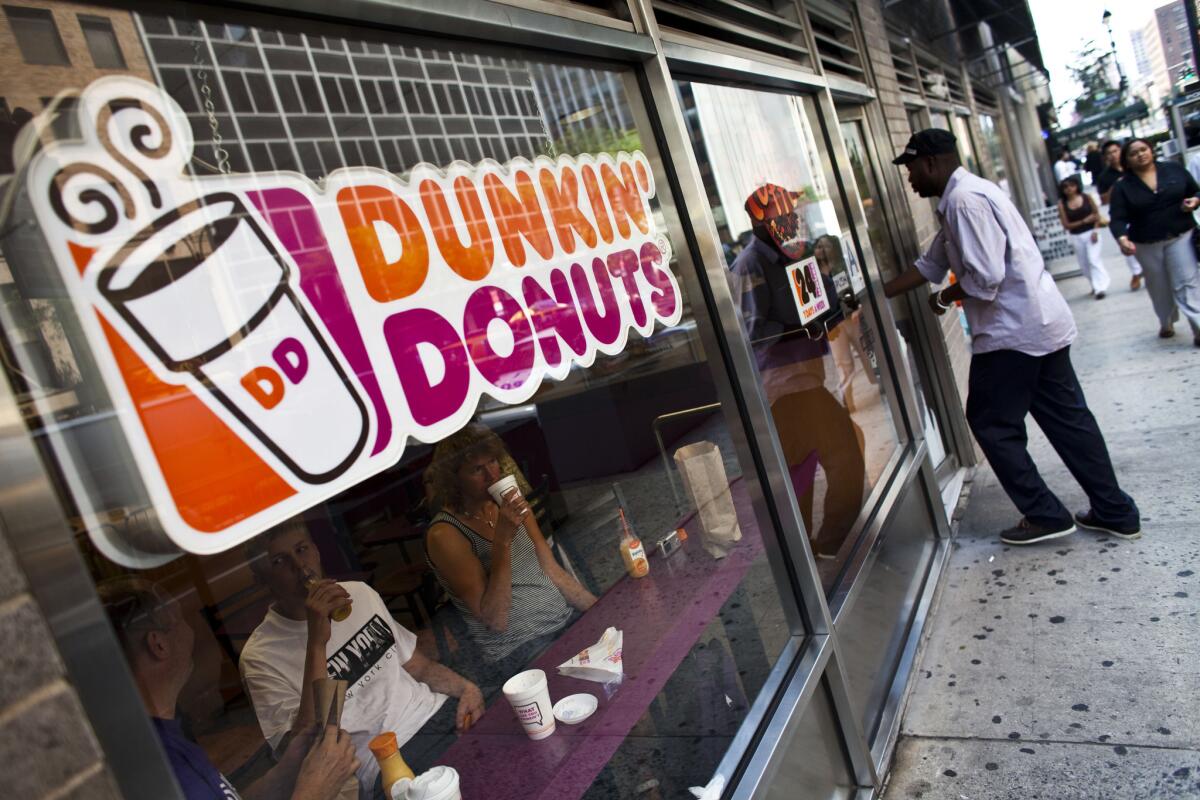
(929, 142)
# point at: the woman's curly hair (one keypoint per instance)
(475, 440)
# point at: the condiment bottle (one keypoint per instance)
(632, 552)
(392, 768)
(338, 614)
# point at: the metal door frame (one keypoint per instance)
(946, 404)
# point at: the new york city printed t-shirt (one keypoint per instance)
(368, 650)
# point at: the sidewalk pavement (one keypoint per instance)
(1071, 669)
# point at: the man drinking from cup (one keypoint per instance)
(393, 687)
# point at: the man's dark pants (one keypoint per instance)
(1005, 385)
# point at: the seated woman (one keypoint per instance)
(492, 559)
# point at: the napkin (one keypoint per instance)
(600, 663)
(710, 792)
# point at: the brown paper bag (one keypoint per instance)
(329, 698)
(705, 481)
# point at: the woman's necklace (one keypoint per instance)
(480, 518)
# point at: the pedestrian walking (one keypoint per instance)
(1112, 173)
(1151, 217)
(1081, 218)
(1093, 161)
(1022, 331)
(1065, 167)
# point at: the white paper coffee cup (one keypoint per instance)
(502, 487)
(207, 293)
(529, 696)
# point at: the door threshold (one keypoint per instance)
(951, 491)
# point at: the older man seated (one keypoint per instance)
(158, 644)
(393, 687)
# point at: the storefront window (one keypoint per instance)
(794, 271)
(966, 144)
(307, 302)
(853, 135)
(915, 120)
(991, 142)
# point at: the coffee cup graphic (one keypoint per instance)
(207, 293)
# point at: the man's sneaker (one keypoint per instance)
(1090, 521)
(1027, 532)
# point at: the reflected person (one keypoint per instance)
(158, 644)
(808, 418)
(492, 559)
(845, 338)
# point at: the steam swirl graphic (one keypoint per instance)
(139, 138)
(90, 195)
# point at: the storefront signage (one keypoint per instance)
(269, 341)
(808, 289)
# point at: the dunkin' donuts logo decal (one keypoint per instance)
(269, 341)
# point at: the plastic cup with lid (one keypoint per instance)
(439, 783)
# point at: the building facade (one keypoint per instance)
(1176, 43)
(1151, 64)
(261, 269)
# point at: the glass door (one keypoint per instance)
(853, 129)
(794, 273)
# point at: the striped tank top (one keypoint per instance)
(538, 607)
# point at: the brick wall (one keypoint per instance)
(23, 85)
(47, 748)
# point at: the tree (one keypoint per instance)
(1091, 71)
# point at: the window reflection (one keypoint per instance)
(991, 143)
(419, 588)
(865, 179)
(793, 272)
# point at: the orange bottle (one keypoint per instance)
(632, 551)
(392, 766)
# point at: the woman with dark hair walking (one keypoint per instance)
(1080, 217)
(1151, 212)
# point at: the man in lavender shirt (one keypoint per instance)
(1021, 331)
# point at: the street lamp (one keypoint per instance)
(1112, 48)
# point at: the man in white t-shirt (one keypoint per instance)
(393, 687)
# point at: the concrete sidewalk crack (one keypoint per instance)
(1030, 742)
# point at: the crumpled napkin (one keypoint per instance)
(600, 663)
(710, 792)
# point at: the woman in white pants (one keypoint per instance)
(1152, 207)
(1080, 217)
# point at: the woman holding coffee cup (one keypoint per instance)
(487, 551)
